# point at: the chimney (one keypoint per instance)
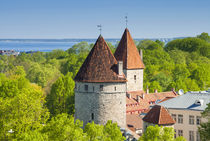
(147, 91)
(138, 98)
(156, 91)
(128, 95)
(141, 54)
(120, 67)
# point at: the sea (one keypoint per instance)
(47, 45)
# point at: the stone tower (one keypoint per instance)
(132, 62)
(100, 87)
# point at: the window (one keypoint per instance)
(174, 116)
(134, 77)
(198, 136)
(180, 132)
(174, 133)
(191, 120)
(92, 116)
(86, 87)
(115, 88)
(180, 118)
(93, 88)
(198, 120)
(75, 86)
(191, 135)
(101, 87)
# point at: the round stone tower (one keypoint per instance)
(100, 87)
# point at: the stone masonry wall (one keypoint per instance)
(134, 85)
(109, 104)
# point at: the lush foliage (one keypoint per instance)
(204, 129)
(181, 64)
(156, 133)
(21, 105)
(37, 90)
(61, 98)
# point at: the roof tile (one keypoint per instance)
(159, 115)
(100, 65)
(128, 53)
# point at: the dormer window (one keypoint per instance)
(86, 87)
(199, 102)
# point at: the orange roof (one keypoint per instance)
(100, 65)
(134, 121)
(146, 100)
(159, 115)
(128, 53)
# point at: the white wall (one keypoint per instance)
(106, 105)
(134, 85)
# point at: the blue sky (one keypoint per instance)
(79, 18)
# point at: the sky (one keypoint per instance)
(59, 19)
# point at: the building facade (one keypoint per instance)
(186, 111)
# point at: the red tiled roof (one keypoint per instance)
(128, 53)
(159, 115)
(146, 100)
(100, 65)
(134, 121)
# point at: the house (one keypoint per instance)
(186, 110)
(158, 115)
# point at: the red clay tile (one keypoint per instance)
(128, 53)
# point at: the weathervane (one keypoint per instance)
(100, 28)
(126, 21)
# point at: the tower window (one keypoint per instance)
(115, 88)
(101, 87)
(92, 116)
(134, 77)
(86, 87)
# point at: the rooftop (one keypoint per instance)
(189, 101)
(145, 100)
(128, 53)
(100, 65)
(159, 115)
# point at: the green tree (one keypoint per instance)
(204, 128)
(108, 132)
(156, 133)
(204, 36)
(95, 132)
(64, 128)
(61, 98)
(112, 131)
(21, 107)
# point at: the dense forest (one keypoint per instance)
(37, 90)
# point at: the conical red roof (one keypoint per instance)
(128, 53)
(159, 115)
(100, 65)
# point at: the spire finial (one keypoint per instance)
(126, 20)
(100, 28)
